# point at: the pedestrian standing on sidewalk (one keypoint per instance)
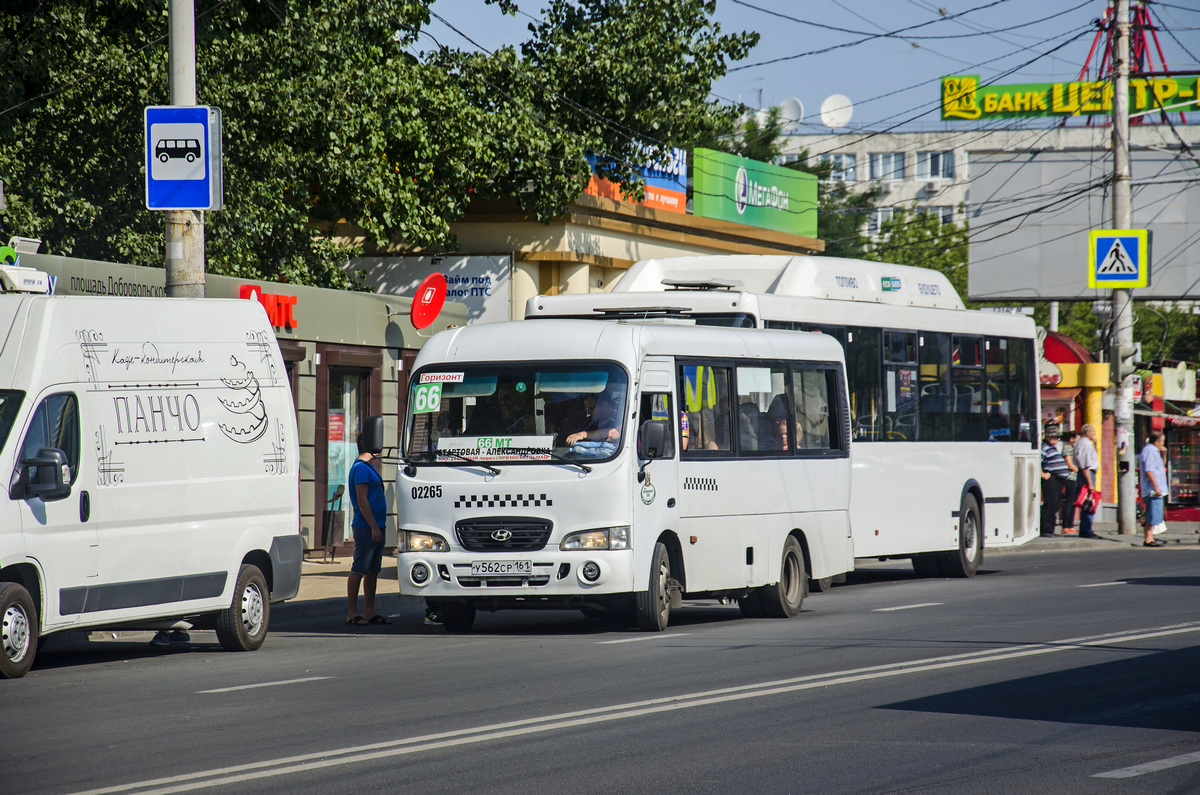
(370, 517)
(1154, 485)
(1054, 474)
(1088, 462)
(1071, 484)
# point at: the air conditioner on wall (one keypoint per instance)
(933, 186)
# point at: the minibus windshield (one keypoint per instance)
(10, 402)
(517, 412)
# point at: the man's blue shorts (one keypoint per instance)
(368, 555)
(1154, 510)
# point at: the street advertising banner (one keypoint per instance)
(731, 188)
(963, 97)
(665, 175)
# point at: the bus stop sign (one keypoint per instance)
(183, 158)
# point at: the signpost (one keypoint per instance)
(183, 158)
(1118, 258)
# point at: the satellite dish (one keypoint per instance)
(791, 113)
(836, 111)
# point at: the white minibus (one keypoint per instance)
(560, 464)
(943, 400)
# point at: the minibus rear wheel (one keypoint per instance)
(785, 598)
(243, 625)
(18, 631)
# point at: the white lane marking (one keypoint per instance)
(1151, 767)
(1100, 584)
(497, 731)
(905, 607)
(645, 637)
(266, 684)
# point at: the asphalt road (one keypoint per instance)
(1057, 672)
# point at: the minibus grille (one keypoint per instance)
(503, 534)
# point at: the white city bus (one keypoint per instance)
(544, 466)
(943, 400)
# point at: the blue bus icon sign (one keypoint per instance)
(183, 158)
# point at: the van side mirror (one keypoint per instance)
(372, 434)
(652, 439)
(52, 476)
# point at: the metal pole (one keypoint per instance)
(185, 228)
(1122, 218)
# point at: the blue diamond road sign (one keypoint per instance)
(183, 158)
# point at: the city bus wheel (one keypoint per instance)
(654, 603)
(785, 598)
(18, 631)
(751, 606)
(927, 565)
(243, 625)
(819, 584)
(965, 561)
(457, 616)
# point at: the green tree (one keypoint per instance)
(333, 115)
(922, 240)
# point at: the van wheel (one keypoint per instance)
(654, 603)
(18, 631)
(243, 625)
(785, 598)
(457, 616)
(965, 561)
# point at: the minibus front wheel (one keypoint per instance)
(18, 631)
(654, 603)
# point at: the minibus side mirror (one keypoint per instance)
(52, 478)
(372, 434)
(652, 439)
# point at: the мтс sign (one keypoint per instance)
(1118, 258)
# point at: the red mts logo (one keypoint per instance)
(279, 307)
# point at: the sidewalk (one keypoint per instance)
(323, 585)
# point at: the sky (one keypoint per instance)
(891, 81)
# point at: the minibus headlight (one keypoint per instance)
(605, 538)
(426, 542)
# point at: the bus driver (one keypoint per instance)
(605, 422)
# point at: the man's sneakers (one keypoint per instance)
(165, 638)
(433, 618)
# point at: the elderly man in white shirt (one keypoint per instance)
(1088, 462)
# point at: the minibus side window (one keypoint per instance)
(705, 393)
(657, 406)
(55, 424)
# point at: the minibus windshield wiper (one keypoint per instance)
(553, 456)
(470, 461)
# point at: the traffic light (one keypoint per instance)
(1121, 362)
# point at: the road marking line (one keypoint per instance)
(391, 748)
(1151, 767)
(266, 684)
(1101, 584)
(646, 637)
(905, 607)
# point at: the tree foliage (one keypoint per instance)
(339, 111)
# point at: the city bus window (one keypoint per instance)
(936, 395)
(970, 423)
(765, 420)
(999, 424)
(1021, 390)
(657, 406)
(900, 385)
(707, 400)
(863, 370)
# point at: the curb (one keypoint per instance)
(386, 603)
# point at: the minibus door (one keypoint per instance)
(656, 495)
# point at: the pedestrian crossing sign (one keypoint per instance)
(1118, 259)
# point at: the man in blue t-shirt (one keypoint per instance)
(366, 489)
(1153, 482)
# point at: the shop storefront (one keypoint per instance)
(1168, 404)
(347, 354)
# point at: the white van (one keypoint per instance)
(546, 465)
(151, 452)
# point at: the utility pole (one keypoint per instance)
(1122, 300)
(185, 228)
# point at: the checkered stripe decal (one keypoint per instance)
(700, 484)
(503, 501)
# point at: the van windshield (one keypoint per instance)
(516, 412)
(10, 403)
